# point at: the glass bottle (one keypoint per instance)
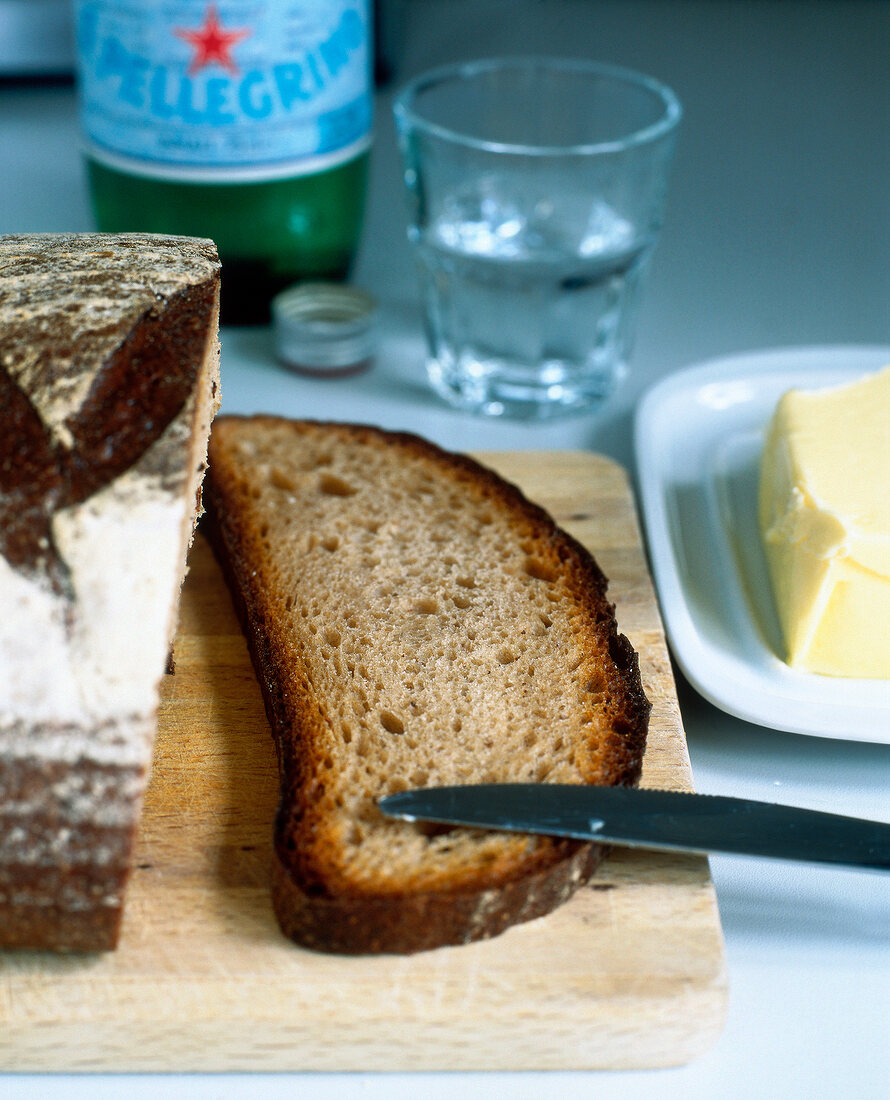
(246, 121)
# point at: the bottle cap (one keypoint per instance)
(325, 329)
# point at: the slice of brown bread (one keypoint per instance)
(414, 620)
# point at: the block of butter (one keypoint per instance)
(824, 513)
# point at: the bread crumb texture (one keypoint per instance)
(417, 623)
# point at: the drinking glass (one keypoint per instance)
(536, 191)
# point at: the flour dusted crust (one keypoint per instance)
(414, 620)
(109, 374)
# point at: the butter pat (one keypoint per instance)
(824, 513)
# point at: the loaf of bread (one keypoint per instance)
(109, 368)
(413, 620)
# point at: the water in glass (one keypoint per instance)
(528, 305)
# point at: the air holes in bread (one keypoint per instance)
(540, 570)
(332, 636)
(506, 656)
(391, 722)
(425, 606)
(336, 486)
(460, 601)
(331, 542)
(280, 480)
(466, 582)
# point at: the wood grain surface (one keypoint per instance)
(629, 974)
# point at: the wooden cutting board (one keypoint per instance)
(629, 974)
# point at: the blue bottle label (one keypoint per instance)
(236, 90)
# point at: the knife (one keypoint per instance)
(664, 820)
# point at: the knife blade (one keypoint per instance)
(644, 818)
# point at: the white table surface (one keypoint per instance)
(778, 234)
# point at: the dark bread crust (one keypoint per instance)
(70, 898)
(50, 927)
(313, 905)
(424, 921)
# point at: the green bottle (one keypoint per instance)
(248, 123)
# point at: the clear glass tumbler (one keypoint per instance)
(536, 190)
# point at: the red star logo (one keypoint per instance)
(212, 44)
